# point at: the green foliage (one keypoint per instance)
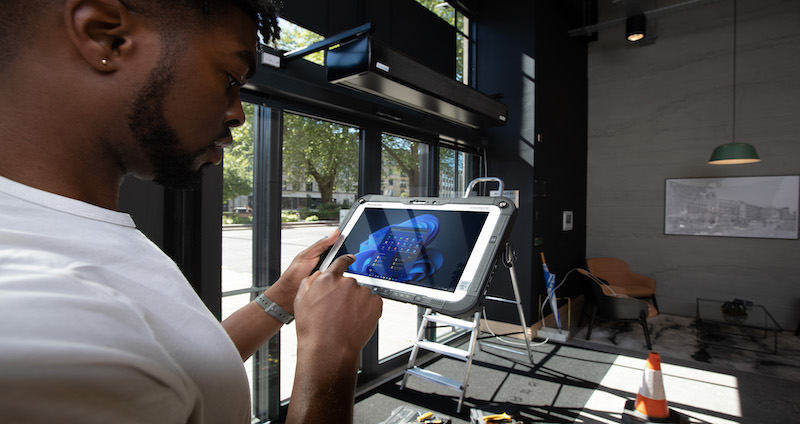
(238, 159)
(296, 37)
(401, 157)
(322, 151)
(329, 211)
(312, 218)
(441, 9)
(230, 218)
(453, 17)
(303, 212)
(289, 216)
(329, 207)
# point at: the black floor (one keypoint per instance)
(556, 389)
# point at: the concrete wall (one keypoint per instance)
(657, 111)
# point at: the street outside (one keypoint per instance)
(397, 327)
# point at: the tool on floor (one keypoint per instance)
(497, 418)
(478, 416)
(424, 416)
(408, 415)
(429, 418)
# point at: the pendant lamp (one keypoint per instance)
(734, 153)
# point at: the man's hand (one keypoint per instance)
(335, 317)
(333, 310)
(250, 327)
(284, 290)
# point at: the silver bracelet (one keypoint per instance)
(273, 309)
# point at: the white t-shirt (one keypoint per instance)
(98, 325)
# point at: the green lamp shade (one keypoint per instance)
(734, 154)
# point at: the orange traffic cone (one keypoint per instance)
(651, 402)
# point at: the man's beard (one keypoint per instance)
(173, 167)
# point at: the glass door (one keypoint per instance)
(237, 221)
(403, 171)
(288, 178)
(319, 183)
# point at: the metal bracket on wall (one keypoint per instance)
(342, 37)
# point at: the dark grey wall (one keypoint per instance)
(524, 54)
(657, 112)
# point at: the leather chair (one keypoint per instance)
(617, 274)
(605, 304)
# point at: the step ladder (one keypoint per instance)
(452, 352)
(473, 326)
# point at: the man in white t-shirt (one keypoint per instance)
(97, 325)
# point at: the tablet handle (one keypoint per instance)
(484, 180)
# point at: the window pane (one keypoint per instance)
(453, 17)
(451, 173)
(441, 8)
(402, 160)
(462, 59)
(320, 182)
(462, 23)
(237, 220)
(452, 183)
(296, 37)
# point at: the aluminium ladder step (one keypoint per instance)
(436, 378)
(444, 349)
(454, 322)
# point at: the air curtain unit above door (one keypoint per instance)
(369, 66)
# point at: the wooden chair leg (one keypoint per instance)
(643, 320)
(655, 304)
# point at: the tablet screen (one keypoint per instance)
(421, 247)
(434, 252)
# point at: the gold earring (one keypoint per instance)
(104, 61)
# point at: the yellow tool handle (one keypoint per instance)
(497, 417)
(424, 416)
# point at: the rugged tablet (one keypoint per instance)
(434, 252)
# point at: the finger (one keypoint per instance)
(340, 264)
(379, 305)
(306, 284)
(320, 246)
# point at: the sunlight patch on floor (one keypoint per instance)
(702, 396)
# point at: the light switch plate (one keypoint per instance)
(566, 222)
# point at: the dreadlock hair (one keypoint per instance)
(265, 14)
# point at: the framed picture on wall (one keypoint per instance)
(757, 207)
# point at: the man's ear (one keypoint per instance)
(100, 30)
